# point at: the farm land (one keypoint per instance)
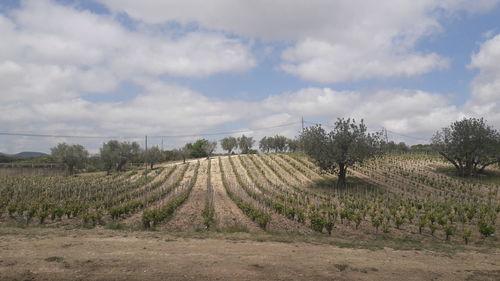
(253, 217)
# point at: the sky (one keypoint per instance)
(182, 70)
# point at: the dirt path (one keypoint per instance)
(135, 219)
(188, 216)
(227, 214)
(278, 222)
(308, 173)
(54, 254)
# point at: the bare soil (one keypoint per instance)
(227, 214)
(188, 216)
(101, 254)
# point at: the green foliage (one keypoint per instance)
(245, 144)
(486, 228)
(229, 144)
(71, 156)
(115, 155)
(153, 156)
(151, 218)
(318, 222)
(336, 151)
(200, 148)
(470, 145)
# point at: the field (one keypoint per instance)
(406, 209)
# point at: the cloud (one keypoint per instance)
(96, 53)
(328, 41)
(485, 88)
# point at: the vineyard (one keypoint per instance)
(395, 196)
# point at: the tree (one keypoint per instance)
(279, 143)
(265, 144)
(336, 151)
(292, 145)
(116, 154)
(196, 149)
(470, 145)
(229, 144)
(152, 156)
(209, 147)
(245, 144)
(71, 156)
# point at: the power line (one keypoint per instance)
(392, 132)
(135, 137)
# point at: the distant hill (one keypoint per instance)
(25, 154)
(29, 154)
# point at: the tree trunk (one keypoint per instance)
(341, 176)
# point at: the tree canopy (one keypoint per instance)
(209, 147)
(71, 156)
(347, 144)
(116, 154)
(278, 144)
(229, 144)
(245, 144)
(469, 144)
(152, 156)
(197, 149)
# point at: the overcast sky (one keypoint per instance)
(152, 67)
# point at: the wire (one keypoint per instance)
(392, 132)
(133, 137)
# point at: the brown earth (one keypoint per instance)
(100, 254)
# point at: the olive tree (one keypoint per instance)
(245, 144)
(265, 144)
(292, 145)
(209, 147)
(71, 156)
(229, 144)
(347, 144)
(152, 156)
(279, 143)
(116, 154)
(469, 144)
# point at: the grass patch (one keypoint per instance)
(341, 266)
(115, 226)
(488, 177)
(354, 185)
(234, 229)
(54, 259)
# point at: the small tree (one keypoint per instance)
(245, 144)
(71, 156)
(279, 143)
(336, 151)
(116, 154)
(152, 156)
(470, 145)
(196, 149)
(209, 147)
(292, 145)
(265, 144)
(229, 144)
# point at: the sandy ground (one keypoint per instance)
(100, 254)
(227, 214)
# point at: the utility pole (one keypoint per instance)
(386, 138)
(302, 119)
(146, 154)
(161, 144)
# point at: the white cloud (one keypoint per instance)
(65, 51)
(330, 41)
(313, 102)
(326, 62)
(485, 95)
